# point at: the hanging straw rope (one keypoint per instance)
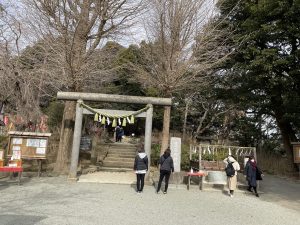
(115, 117)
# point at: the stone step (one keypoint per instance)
(117, 159)
(118, 164)
(120, 155)
(123, 146)
(121, 152)
(129, 155)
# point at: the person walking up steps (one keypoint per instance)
(141, 168)
(252, 173)
(166, 167)
(121, 134)
(117, 131)
(232, 166)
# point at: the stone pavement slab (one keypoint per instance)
(109, 177)
(45, 201)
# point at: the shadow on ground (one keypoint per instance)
(282, 191)
(7, 182)
(15, 219)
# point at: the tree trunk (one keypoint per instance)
(66, 136)
(288, 135)
(187, 104)
(94, 152)
(76, 57)
(200, 127)
(166, 129)
(184, 121)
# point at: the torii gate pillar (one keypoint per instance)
(148, 132)
(77, 135)
(76, 141)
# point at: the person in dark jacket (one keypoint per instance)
(252, 173)
(121, 134)
(141, 168)
(166, 167)
(117, 130)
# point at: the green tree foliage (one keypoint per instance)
(126, 75)
(263, 74)
(55, 113)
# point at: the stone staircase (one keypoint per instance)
(119, 158)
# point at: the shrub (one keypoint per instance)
(185, 157)
(155, 154)
(55, 113)
(3, 141)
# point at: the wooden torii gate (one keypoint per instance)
(80, 97)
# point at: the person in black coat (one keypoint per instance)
(252, 173)
(166, 167)
(117, 130)
(141, 168)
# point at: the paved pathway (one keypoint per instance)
(48, 201)
(282, 191)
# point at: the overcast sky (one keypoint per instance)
(133, 35)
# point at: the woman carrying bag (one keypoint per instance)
(252, 173)
(166, 167)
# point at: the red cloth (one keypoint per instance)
(11, 169)
(253, 164)
(199, 174)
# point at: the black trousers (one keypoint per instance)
(254, 188)
(166, 174)
(140, 181)
(119, 138)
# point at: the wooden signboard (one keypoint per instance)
(27, 145)
(296, 149)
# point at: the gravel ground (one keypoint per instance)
(56, 201)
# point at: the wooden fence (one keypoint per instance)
(210, 157)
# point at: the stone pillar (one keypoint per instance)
(76, 141)
(176, 152)
(148, 132)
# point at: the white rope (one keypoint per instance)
(208, 149)
(242, 151)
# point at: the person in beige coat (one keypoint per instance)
(232, 180)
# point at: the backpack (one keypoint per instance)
(230, 171)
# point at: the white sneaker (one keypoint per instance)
(231, 196)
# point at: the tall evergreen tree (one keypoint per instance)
(264, 73)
